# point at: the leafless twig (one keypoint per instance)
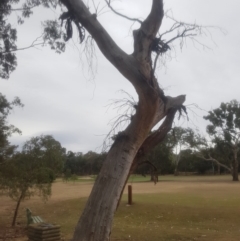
(182, 31)
(19, 9)
(211, 159)
(33, 44)
(108, 2)
(126, 107)
(91, 57)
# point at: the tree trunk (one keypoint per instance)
(235, 166)
(17, 208)
(96, 220)
(178, 157)
(219, 169)
(152, 178)
(213, 169)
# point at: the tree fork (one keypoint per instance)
(96, 220)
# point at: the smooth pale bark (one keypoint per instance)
(96, 220)
(219, 164)
(233, 169)
(178, 157)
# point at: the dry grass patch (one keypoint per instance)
(182, 208)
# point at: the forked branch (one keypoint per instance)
(180, 31)
(33, 44)
(211, 159)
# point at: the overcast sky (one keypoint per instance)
(62, 98)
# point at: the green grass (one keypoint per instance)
(132, 179)
(135, 178)
(181, 216)
(194, 178)
(138, 178)
(202, 213)
(79, 179)
(64, 213)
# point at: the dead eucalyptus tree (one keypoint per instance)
(153, 106)
(131, 144)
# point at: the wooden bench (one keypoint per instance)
(32, 219)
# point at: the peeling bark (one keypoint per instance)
(96, 220)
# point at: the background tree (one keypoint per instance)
(225, 132)
(71, 164)
(190, 163)
(67, 175)
(158, 161)
(131, 144)
(8, 36)
(186, 162)
(6, 130)
(196, 147)
(31, 171)
(93, 162)
(218, 154)
(48, 150)
(180, 138)
(87, 164)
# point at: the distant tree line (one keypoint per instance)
(83, 164)
(31, 170)
(186, 150)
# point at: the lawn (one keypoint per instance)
(176, 208)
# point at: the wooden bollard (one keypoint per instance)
(129, 194)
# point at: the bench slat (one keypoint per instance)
(37, 219)
(32, 219)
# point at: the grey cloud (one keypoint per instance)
(61, 101)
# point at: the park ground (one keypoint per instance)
(175, 209)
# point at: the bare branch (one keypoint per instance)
(182, 31)
(33, 44)
(174, 26)
(145, 35)
(91, 57)
(214, 160)
(127, 106)
(108, 2)
(183, 27)
(154, 173)
(153, 22)
(125, 63)
(194, 24)
(19, 9)
(158, 136)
